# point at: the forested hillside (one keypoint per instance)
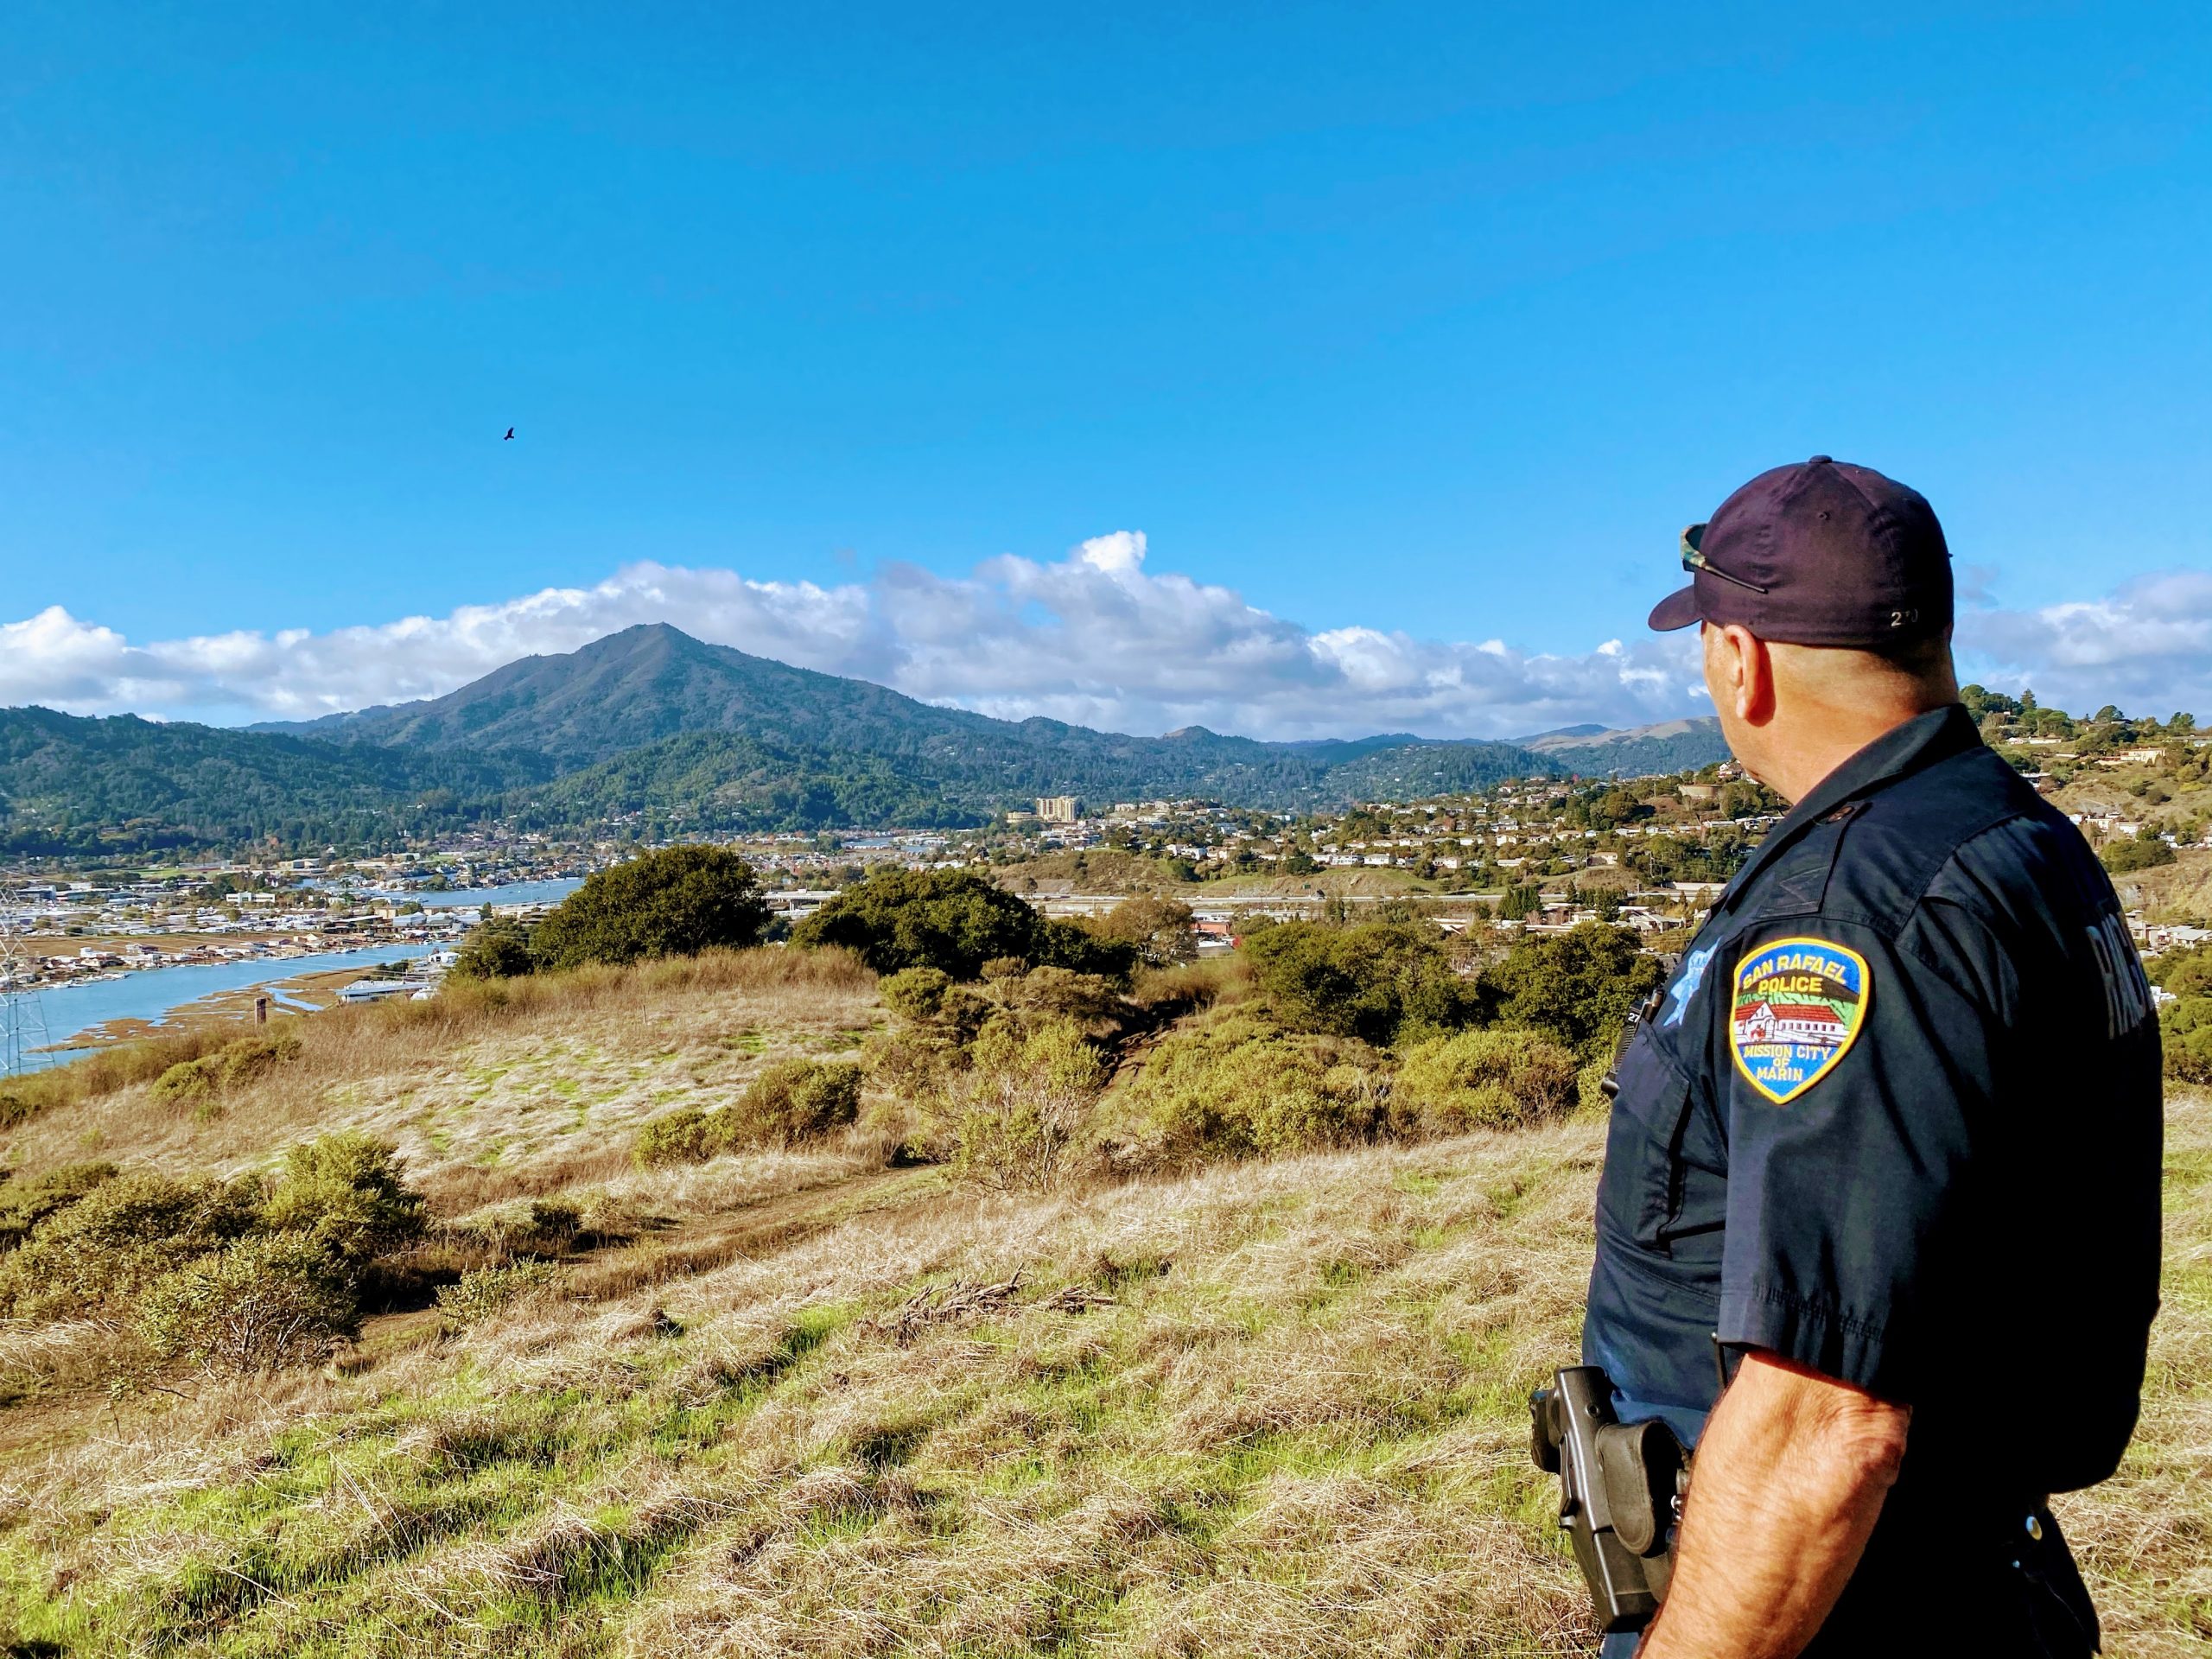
(708, 782)
(72, 786)
(850, 740)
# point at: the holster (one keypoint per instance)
(1621, 1488)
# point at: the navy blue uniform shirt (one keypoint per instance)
(1898, 1118)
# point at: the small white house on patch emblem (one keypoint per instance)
(1797, 1007)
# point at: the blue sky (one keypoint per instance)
(1431, 323)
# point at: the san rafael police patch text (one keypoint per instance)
(1798, 1006)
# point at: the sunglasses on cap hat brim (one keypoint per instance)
(1694, 559)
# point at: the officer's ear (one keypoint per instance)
(1739, 672)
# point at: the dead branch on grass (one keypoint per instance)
(935, 1307)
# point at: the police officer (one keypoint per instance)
(1878, 1231)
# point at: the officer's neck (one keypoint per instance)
(1794, 752)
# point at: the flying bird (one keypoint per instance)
(510, 432)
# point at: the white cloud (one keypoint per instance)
(2146, 646)
(1096, 638)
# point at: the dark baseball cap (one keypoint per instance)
(1820, 553)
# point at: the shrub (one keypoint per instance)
(481, 1292)
(1077, 948)
(230, 1274)
(1576, 987)
(2185, 973)
(96, 1253)
(263, 1302)
(1241, 1086)
(795, 1101)
(498, 950)
(2186, 1027)
(1496, 1078)
(1090, 1001)
(909, 1063)
(939, 1021)
(1590, 1094)
(916, 994)
(1011, 1119)
(232, 1066)
(1369, 980)
(686, 1135)
(937, 1015)
(187, 1080)
(1159, 994)
(2144, 850)
(538, 1227)
(345, 1192)
(954, 921)
(23, 1204)
(677, 901)
(557, 1221)
(790, 1101)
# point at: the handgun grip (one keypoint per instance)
(1543, 1432)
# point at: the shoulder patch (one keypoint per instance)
(1797, 1007)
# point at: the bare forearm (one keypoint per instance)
(1790, 1479)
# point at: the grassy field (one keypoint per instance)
(817, 1404)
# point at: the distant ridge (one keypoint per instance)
(1563, 733)
(1635, 751)
(676, 735)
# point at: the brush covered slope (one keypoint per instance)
(815, 1400)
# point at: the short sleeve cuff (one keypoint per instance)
(1816, 1335)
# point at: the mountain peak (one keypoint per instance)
(636, 687)
(638, 638)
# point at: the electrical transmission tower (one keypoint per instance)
(22, 1016)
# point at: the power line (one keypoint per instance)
(23, 1038)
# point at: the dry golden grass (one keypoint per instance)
(2145, 1535)
(1294, 1426)
(492, 1093)
(1271, 1408)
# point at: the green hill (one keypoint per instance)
(619, 699)
(691, 736)
(71, 787)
